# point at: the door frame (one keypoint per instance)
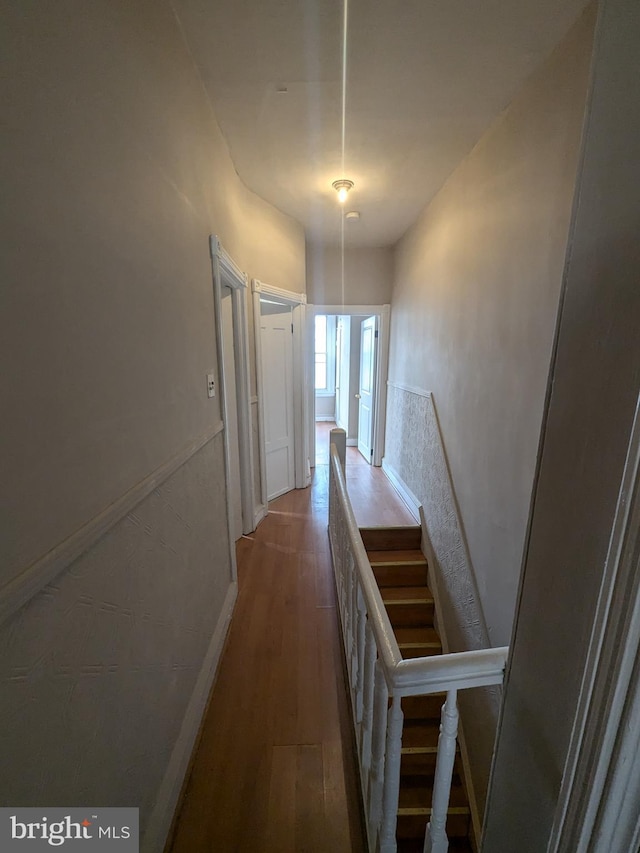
(383, 313)
(226, 273)
(373, 392)
(597, 801)
(298, 303)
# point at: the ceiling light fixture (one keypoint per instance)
(342, 187)
(352, 214)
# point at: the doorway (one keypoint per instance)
(280, 331)
(348, 357)
(276, 340)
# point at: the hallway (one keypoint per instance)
(275, 770)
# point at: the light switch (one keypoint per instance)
(211, 385)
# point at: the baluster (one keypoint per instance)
(343, 575)
(391, 778)
(348, 639)
(359, 648)
(436, 840)
(353, 639)
(367, 711)
(380, 699)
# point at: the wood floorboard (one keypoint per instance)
(375, 502)
(275, 768)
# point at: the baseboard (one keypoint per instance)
(155, 836)
(402, 489)
(352, 442)
(325, 418)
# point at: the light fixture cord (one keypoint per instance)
(345, 27)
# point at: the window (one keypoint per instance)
(325, 354)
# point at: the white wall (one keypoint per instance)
(477, 281)
(114, 174)
(368, 275)
(325, 406)
(595, 382)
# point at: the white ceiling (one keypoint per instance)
(425, 79)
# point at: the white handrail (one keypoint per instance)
(377, 671)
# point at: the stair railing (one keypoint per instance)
(378, 673)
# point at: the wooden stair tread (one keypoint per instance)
(407, 574)
(416, 796)
(397, 558)
(401, 575)
(417, 636)
(417, 641)
(406, 595)
(388, 538)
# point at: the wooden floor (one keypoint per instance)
(375, 502)
(275, 770)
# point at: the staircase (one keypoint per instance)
(400, 569)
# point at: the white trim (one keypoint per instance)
(166, 802)
(383, 312)
(600, 762)
(412, 389)
(288, 296)
(243, 395)
(227, 274)
(300, 379)
(257, 336)
(402, 489)
(325, 419)
(349, 310)
(384, 328)
(30, 581)
(259, 514)
(330, 355)
(353, 442)
(228, 267)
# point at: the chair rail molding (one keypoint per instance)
(20, 589)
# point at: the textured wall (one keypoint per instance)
(98, 668)
(475, 299)
(414, 453)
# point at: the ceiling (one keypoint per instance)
(425, 78)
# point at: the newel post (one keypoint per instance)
(338, 437)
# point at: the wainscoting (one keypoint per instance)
(105, 670)
(415, 461)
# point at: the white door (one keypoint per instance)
(366, 401)
(277, 369)
(231, 407)
(343, 346)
